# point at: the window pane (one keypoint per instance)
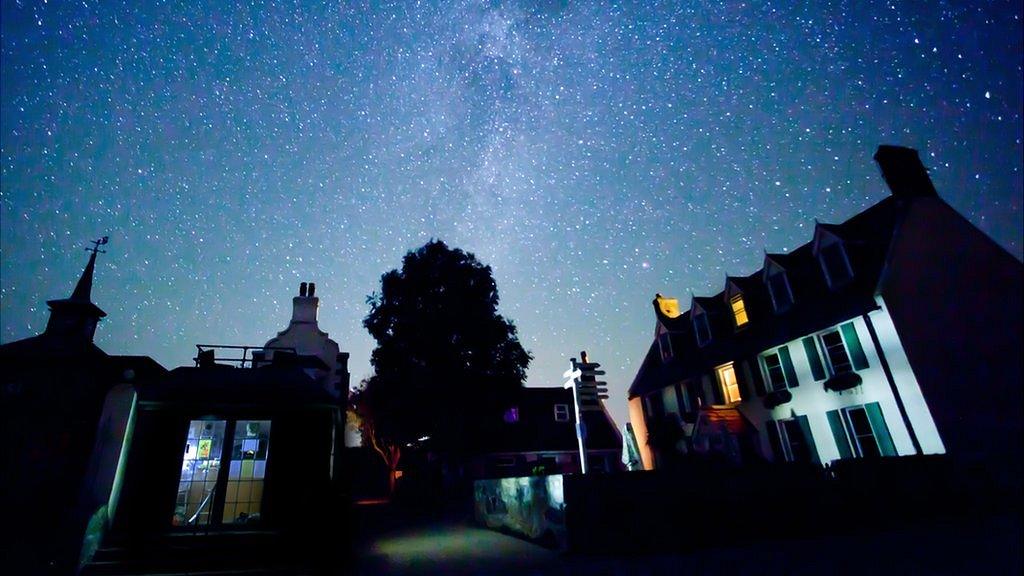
(739, 311)
(200, 465)
(779, 290)
(835, 263)
(865, 438)
(776, 376)
(730, 387)
(797, 443)
(836, 352)
(249, 452)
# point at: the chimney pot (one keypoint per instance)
(312, 289)
(904, 173)
(302, 289)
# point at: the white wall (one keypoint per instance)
(812, 400)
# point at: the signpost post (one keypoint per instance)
(587, 394)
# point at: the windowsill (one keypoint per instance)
(777, 398)
(844, 381)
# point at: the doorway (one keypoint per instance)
(205, 497)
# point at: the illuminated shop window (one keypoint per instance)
(200, 466)
(727, 380)
(739, 310)
(244, 495)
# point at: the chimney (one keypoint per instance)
(304, 306)
(904, 173)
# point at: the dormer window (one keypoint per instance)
(833, 259)
(778, 288)
(665, 345)
(701, 327)
(739, 310)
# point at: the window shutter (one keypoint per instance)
(787, 367)
(881, 431)
(860, 361)
(817, 370)
(775, 441)
(805, 427)
(835, 420)
(756, 377)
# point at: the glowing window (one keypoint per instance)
(727, 380)
(243, 501)
(200, 467)
(739, 311)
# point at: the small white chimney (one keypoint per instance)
(305, 305)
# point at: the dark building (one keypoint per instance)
(537, 434)
(115, 465)
(66, 405)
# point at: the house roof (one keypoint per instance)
(272, 385)
(538, 431)
(866, 237)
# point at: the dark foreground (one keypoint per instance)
(392, 543)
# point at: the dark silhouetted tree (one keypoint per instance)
(445, 359)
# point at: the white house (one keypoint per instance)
(897, 332)
(304, 338)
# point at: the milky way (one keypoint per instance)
(592, 154)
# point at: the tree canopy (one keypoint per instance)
(445, 359)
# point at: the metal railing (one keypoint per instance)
(205, 351)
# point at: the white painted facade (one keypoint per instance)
(304, 335)
(811, 399)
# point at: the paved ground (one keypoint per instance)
(991, 546)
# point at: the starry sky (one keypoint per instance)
(592, 153)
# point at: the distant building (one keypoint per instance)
(537, 434)
(897, 332)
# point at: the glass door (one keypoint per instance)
(243, 500)
(200, 467)
(202, 490)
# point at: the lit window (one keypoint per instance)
(778, 288)
(727, 380)
(511, 415)
(243, 501)
(701, 327)
(739, 311)
(561, 412)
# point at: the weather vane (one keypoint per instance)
(96, 245)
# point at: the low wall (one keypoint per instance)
(706, 504)
(531, 507)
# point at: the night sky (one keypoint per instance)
(592, 154)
